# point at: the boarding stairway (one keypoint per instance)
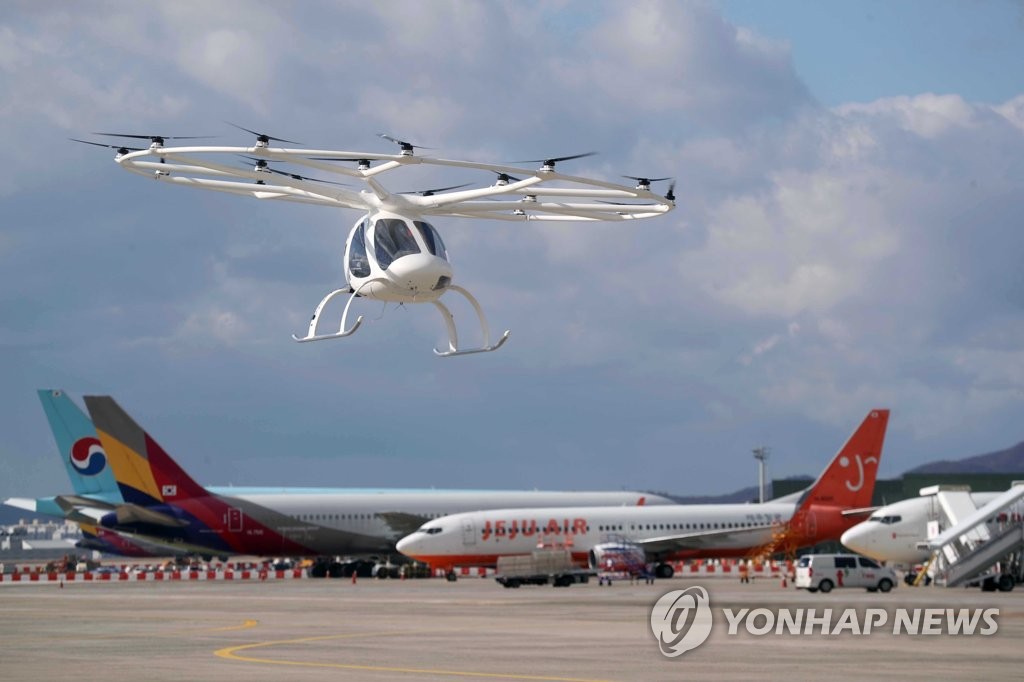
(979, 544)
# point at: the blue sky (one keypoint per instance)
(846, 237)
(860, 51)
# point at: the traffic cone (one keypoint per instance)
(784, 583)
(353, 577)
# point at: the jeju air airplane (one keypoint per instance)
(162, 502)
(597, 536)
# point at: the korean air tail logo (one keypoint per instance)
(681, 620)
(88, 457)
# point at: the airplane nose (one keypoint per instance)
(421, 272)
(857, 539)
(408, 545)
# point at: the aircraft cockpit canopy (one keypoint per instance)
(392, 238)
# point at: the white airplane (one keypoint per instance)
(161, 503)
(160, 507)
(597, 535)
(892, 532)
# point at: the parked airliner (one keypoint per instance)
(893, 532)
(599, 535)
(162, 501)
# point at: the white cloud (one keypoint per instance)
(927, 115)
(819, 262)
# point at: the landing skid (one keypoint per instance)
(311, 334)
(453, 335)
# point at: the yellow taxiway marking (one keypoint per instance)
(230, 653)
(244, 626)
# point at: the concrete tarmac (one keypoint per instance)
(471, 629)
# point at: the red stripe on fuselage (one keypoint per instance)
(178, 488)
(482, 560)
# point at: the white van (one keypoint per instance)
(826, 571)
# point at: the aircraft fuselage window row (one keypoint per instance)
(350, 517)
(654, 526)
(681, 526)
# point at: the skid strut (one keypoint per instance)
(311, 334)
(449, 320)
(453, 335)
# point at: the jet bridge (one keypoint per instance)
(983, 544)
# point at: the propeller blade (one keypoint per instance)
(401, 143)
(119, 148)
(645, 181)
(262, 137)
(552, 161)
(262, 165)
(429, 192)
(365, 162)
(506, 178)
(158, 138)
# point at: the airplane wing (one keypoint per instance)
(71, 507)
(161, 546)
(709, 539)
(26, 503)
(402, 523)
(861, 511)
(134, 513)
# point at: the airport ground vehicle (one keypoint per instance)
(543, 566)
(828, 571)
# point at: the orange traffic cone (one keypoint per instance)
(784, 583)
(353, 577)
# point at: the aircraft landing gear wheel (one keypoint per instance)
(1006, 583)
(664, 571)
(451, 576)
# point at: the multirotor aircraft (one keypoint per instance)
(393, 253)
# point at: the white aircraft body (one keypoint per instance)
(599, 535)
(158, 505)
(892, 532)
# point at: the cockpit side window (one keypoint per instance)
(358, 263)
(431, 238)
(392, 239)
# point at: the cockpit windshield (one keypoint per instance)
(392, 239)
(358, 265)
(431, 238)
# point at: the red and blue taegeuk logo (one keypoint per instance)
(88, 457)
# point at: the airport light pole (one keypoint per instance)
(761, 454)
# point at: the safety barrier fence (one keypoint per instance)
(156, 576)
(701, 569)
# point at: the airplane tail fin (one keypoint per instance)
(145, 473)
(848, 482)
(81, 451)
